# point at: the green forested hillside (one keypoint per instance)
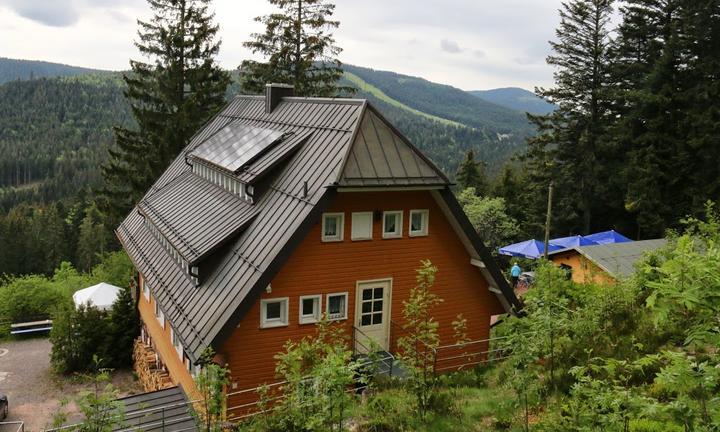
(54, 134)
(515, 98)
(14, 69)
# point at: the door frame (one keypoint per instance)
(358, 302)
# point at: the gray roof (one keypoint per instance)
(316, 157)
(617, 259)
(160, 410)
(380, 156)
(196, 216)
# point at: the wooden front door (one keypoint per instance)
(372, 314)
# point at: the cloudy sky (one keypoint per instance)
(471, 44)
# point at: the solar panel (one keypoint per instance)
(236, 145)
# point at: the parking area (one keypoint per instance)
(35, 392)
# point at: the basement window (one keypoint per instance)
(419, 223)
(310, 309)
(332, 227)
(392, 224)
(274, 312)
(337, 306)
(362, 225)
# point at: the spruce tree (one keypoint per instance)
(171, 96)
(471, 174)
(568, 148)
(299, 49)
(123, 329)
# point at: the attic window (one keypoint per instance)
(418, 223)
(392, 224)
(332, 227)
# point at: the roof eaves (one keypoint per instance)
(479, 246)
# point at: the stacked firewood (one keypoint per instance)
(147, 368)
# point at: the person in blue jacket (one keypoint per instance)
(515, 273)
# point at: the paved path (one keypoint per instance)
(34, 391)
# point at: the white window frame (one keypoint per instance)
(159, 314)
(283, 321)
(341, 227)
(353, 235)
(327, 306)
(309, 319)
(425, 214)
(176, 342)
(146, 291)
(398, 224)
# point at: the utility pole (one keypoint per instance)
(547, 219)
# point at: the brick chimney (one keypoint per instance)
(274, 93)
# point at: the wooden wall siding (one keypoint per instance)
(163, 344)
(583, 270)
(321, 268)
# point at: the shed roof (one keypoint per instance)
(617, 259)
(161, 410)
(325, 132)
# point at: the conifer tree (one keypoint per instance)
(299, 49)
(171, 96)
(471, 174)
(123, 328)
(568, 147)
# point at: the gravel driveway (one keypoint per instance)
(34, 391)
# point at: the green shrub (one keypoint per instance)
(646, 425)
(387, 412)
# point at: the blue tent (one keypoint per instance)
(572, 241)
(606, 237)
(528, 249)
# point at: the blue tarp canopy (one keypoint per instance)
(528, 249)
(606, 237)
(572, 241)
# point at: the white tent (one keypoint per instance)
(101, 296)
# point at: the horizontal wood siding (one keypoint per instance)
(162, 344)
(321, 268)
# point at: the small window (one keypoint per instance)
(176, 342)
(146, 291)
(419, 223)
(362, 225)
(337, 306)
(159, 314)
(392, 224)
(332, 227)
(274, 312)
(310, 309)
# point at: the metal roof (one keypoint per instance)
(236, 145)
(324, 132)
(617, 259)
(380, 156)
(196, 216)
(160, 410)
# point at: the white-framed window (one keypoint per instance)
(274, 312)
(392, 224)
(332, 227)
(337, 306)
(159, 314)
(362, 226)
(176, 342)
(146, 291)
(310, 307)
(418, 225)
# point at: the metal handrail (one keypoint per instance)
(21, 425)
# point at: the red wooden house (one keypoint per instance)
(283, 208)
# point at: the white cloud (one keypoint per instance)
(483, 43)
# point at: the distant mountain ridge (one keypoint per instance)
(516, 98)
(14, 69)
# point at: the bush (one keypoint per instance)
(387, 412)
(78, 335)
